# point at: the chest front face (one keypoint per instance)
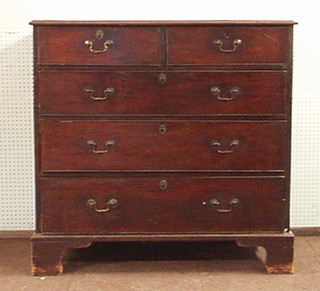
(169, 130)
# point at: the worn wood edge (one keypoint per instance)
(52, 270)
(158, 236)
(297, 231)
(165, 22)
(27, 234)
(281, 269)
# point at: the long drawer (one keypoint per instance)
(168, 204)
(158, 93)
(227, 45)
(162, 146)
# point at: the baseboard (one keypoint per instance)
(4, 234)
(297, 231)
(305, 231)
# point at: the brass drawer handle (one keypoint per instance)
(92, 143)
(107, 92)
(216, 203)
(219, 44)
(112, 203)
(234, 92)
(106, 46)
(233, 145)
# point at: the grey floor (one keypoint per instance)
(166, 266)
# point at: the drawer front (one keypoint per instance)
(227, 45)
(96, 205)
(172, 146)
(157, 93)
(98, 45)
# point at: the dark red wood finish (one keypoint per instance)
(184, 206)
(186, 146)
(195, 45)
(166, 23)
(141, 93)
(48, 250)
(131, 46)
(257, 171)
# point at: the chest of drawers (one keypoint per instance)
(162, 131)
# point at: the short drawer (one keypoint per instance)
(159, 93)
(167, 204)
(227, 45)
(162, 146)
(94, 45)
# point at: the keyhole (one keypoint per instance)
(162, 129)
(99, 34)
(162, 78)
(227, 34)
(163, 185)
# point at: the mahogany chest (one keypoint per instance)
(154, 131)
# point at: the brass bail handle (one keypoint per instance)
(107, 92)
(108, 144)
(112, 203)
(219, 44)
(216, 203)
(107, 44)
(234, 92)
(233, 145)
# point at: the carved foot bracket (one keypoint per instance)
(46, 255)
(47, 250)
(279, 251)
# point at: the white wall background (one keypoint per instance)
(16, 121)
